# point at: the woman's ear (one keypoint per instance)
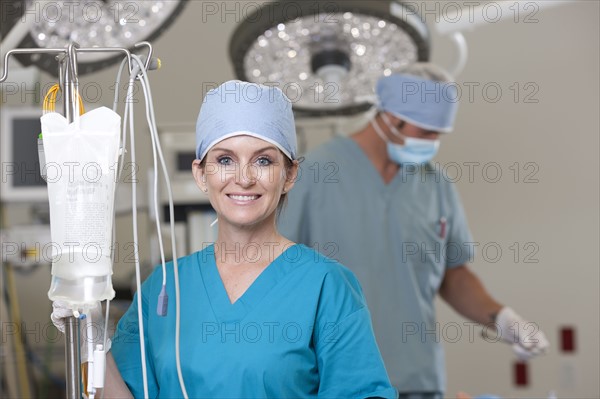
(291, 176)
(199, 175)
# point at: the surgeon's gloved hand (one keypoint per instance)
(526, 338)
(93, 334)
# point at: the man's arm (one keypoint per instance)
(463, 290)
(465, 293)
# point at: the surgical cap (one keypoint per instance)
(428, 104)
(238, 108)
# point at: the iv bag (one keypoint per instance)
(81, 166)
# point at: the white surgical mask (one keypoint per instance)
(414, 150)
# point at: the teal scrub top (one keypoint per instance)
(390, 236)
(301, 330)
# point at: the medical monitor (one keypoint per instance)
(20, 178)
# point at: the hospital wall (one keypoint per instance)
(524, 156)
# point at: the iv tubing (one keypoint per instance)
(90, 357)
(153, 131)
(127, 101)
(135, 239)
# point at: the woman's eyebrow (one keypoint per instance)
(223, 150)
(268, 148)
(228, 151)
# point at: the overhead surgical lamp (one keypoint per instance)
(327, 56)
(91, 23)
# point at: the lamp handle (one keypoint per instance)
(463, 53)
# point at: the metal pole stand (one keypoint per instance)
(68, 77)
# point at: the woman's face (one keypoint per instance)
(244, 177)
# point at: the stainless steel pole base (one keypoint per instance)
(73, 369)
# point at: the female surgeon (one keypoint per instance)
(261, 316)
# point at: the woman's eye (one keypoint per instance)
(224, 160)
(263, 161)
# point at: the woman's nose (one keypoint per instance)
(247, 175)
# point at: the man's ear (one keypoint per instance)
(199, 175)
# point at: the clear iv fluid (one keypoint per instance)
(81, 204)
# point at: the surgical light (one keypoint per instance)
(90, 23)
(327, 56)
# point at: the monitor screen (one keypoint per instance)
(20, 178)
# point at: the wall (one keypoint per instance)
(548, 133)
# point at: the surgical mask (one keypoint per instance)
(414, 150)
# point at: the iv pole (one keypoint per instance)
(68, 78)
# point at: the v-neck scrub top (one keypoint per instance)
(391, 237)
(301, 330)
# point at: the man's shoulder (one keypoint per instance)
(330, 160)
(333, 149)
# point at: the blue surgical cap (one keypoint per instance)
(240, 108)
(428, 104)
